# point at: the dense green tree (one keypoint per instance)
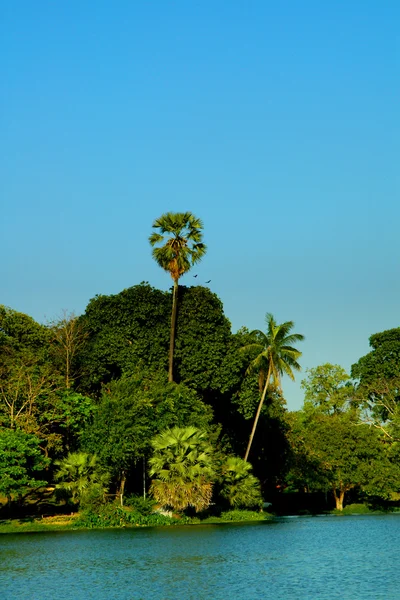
(177, 246)
(21, 463)
(81, 477)
(203, 335)
(20, 334)
(183, 469)
(327, 389)
(275, 356)
(124, 330)
(383, 362)
(131, 328)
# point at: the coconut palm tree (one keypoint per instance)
(177, 246)
(276, 357)
(182, 464)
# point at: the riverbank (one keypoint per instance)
(122, 519)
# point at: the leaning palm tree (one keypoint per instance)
(275, 357)
(180, 236)
(182, 465)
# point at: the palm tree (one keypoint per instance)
(239, 486)
(275, 357)
(80, 475)
(183, 465)
(180, 235)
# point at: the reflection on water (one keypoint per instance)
(320, 558)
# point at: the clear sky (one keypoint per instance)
(277, 123)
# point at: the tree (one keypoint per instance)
(238, 486)
(328, 389)
(182, 464)
(68, 337)
(81, 476)
(180, 250)
(383, 362)
(21, 461)
(125, 330)
(275, 357)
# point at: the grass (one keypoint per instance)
(80, 521)
(356, 509)
(59, 522)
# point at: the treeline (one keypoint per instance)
(85, 403)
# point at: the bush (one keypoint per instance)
(143, 506)
(354, 509)
(112, 515)
(237, 516)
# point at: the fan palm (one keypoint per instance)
(79, 475)
(177, 246)
(276, 357)
(183, 467)
(239, 486)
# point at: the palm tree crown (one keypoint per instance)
(276, 357)
(180, 235)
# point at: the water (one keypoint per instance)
(323, 558)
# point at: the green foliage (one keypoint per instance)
(76, 414)
(182, 247)
(81, 478)
(132, 411)
(383, 362)
(354, 509)
(21, 462)
(237, 516)
(20, 334)
(144, 506)
(112, 515)
(124, 330)
(202, 336)
(338, 452)
(327, 389)
(238, 486)
(182, 464)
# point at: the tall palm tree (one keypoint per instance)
(183, 467)
(275, 357)
(180, 236)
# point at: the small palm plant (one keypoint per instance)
(275, 357)
(177, 246)
(182, 465)
(239, 486)
(81, 478)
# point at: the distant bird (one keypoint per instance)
(194, 275)
(209, 281)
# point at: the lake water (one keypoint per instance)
(351, 558)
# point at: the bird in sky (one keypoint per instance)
(209, 281)
(194, 275)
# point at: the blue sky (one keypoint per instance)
(277, 123)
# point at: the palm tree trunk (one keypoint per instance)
(172, 334)
(258, 413)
